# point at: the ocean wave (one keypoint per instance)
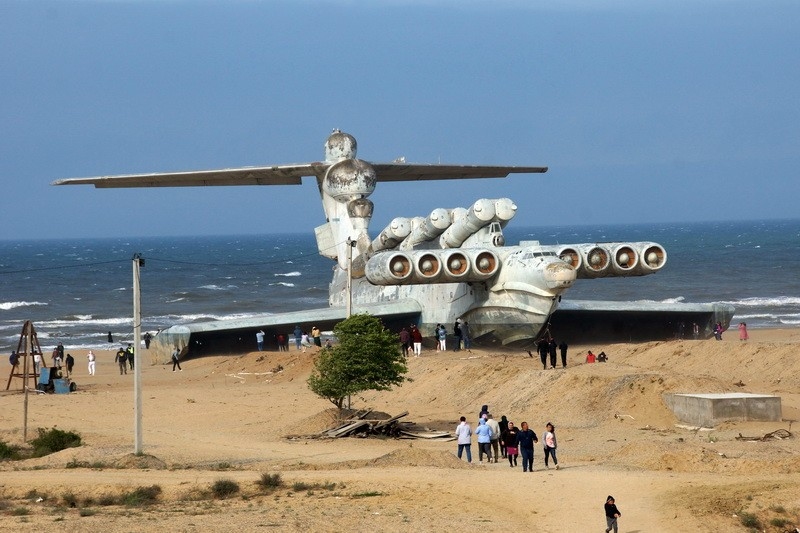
(290, 274)
(5, 306)
(777, 301)
(282, 284)
(60, 323)
(213, 287)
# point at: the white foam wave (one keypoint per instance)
(217, 287)
(290, 274)
(766, 301)
(283, 284)
(175, 300)
(94, 321)
(5, 306)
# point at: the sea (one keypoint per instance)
(76, 291)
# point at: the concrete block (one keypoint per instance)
(708, 410)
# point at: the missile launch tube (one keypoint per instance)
(429, 228)
(478, 215)
(392, 235)
(505, 209)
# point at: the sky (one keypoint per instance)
(644, 111)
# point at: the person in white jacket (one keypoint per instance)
(90, 356)
(495, 440)
(464, 434)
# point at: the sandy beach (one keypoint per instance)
(228, 417)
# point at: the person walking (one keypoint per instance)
(416, 338)
(509, 442)
(298, 336)
(484, 433)
(175, 354)
(91, 359)
(316, 336)
(147, 338)
(70, 362)
(550, 445)
(464, 435)
(552, 346)
(543, 349)
(503, 428)
(129, 353)
(526, 438)
(405, 341)
(563, 347)
(260, 340)
(37, 362)
(495, 440)
(442, 333)
(612, 514)
(466, 335)
(743, 335)
(457, 335)
(121, 359)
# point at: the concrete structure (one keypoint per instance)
(708, 410)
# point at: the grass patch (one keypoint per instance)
(223, 466)
(8, 451)
(54, 440)
(20, 511)
(779, 522)
(300, 486)
(107, 499)
(223, 488)
(70, 499)
(87, 512)
(141, 496)
(777, 509)
(749, 520)
(270, 481)
(369, 494)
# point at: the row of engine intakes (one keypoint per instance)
(431, 266)
(471, 265)
(612, 259)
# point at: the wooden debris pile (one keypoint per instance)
(360, 425)
(778, 434)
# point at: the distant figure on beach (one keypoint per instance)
(147, 339)
(129, 353)
(110, 337)
(563, 347)
(121, 358)
(743, 336)
(281, 340)
(552, 347)
(484, 433)
(503, 428)
(612, 514)
(466, 336)
(550, 444)
(495, 439)
(416, 338)
(590, 357)
(457, 335)
(602, 357)
(260, 340)
(543, 347)
(681, 329)
(56, 358)
(70, 362)
(464, 436)
(526, 438)
(13, 358)
(316, 336)
(695, 331)
(442, 338)
(483, 412)
(718, 331)
(298, 334)
(304, 342)
(328, 344)
(508, 440)
(60, 349)
(37, 362)
(175, 354)
(405, 341)
(91, 358)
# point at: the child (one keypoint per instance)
(550, 445)
(612, 513)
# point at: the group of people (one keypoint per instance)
(411, 338)
(547, 347)
(124, 358)
(302, 339)
(503, 439)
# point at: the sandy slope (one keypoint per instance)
(227, 417)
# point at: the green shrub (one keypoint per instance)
(141, 496)
(87, 512)
(779, 522)
(270, 481)
(70, 499)
(749, 520)
(54, 440)
(8, 451)
(299, 486)
(21, 511)
(222, 488)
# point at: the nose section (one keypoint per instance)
(559, 275)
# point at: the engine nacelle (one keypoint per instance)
(652, 257)
(611, 258)
(596, 260)
(389, 268)
(624, 259)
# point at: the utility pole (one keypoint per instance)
(138, 262)
(349, 308)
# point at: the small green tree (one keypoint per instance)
(367, 357)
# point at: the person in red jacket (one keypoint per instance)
(416, 338)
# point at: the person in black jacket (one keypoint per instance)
(612, 513)
(526, 438)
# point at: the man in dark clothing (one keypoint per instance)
(147, 339)
(612, 513)
(563, 348)
(129, 353)
(543, 348)
(526, 439)
(70, 361)
(457, 335)
(405, 341)
(552, 347)
(121, 358)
